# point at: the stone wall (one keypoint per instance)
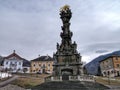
(71, 78)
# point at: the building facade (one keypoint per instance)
(42, 64)
(110, 66)
(13, 63)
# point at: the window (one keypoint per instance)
(49, 65)
(104, 73)
(112, 71)
(43, 65)
(11, 63)
(6, 62)
(14, 57)
(110, 66)
(19, 63)
(108, 73)
(116, 58)
(34, 65)
(40, 65)
(117, 65)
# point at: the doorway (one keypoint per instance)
(66, 73)
(43, 70)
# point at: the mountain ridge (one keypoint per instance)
(93, 66)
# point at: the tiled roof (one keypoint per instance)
(1, 60)
(26, 63)
(43, 58)
(110, 57)
(11, 87)
(13, 55)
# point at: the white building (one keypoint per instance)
(1, 63)
(13, 63)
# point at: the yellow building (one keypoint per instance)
(42, 64)
(110, 66)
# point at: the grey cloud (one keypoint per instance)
(33, 27)
(107, 46)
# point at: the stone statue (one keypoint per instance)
(67, 58)
(65, 14)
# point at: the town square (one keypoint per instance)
(59, 45)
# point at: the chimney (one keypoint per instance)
(13, 51)
(39, 55)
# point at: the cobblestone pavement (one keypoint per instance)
(70, 85)
(66, 85)
(12, 87)
(113, 87)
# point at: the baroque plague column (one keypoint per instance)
(67, 59)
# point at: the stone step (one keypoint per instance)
(70, 85)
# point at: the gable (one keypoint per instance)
(13, 56)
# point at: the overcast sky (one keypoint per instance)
(32, 27)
